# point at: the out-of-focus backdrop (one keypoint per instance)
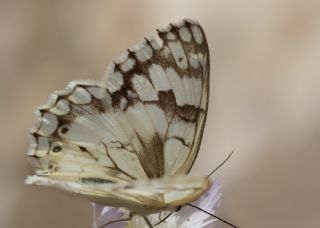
(265, 99)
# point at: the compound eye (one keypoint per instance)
(178, 208)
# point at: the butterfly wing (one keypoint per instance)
(144, 120)
(166, 91)
(80, 137)
(142, 196)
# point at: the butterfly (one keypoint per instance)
(130, 139)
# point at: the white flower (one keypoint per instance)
(104, 214)
(187, 217)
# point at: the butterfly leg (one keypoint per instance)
(118, 220)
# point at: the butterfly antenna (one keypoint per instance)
(220, 219)
(221, 164)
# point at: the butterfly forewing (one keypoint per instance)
(163, 93)
(144, 120)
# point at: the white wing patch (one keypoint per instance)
(144, 120)
(49, 124)
(159, 78)
(178, 54)
(61, 108)
(114, 80)
(80, 96)
(177, 86)
(144, 88)
(158, 119)
(143, 51)
(185, 34)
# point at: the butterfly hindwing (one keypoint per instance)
(84, 137)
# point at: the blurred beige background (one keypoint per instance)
(265, 99)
